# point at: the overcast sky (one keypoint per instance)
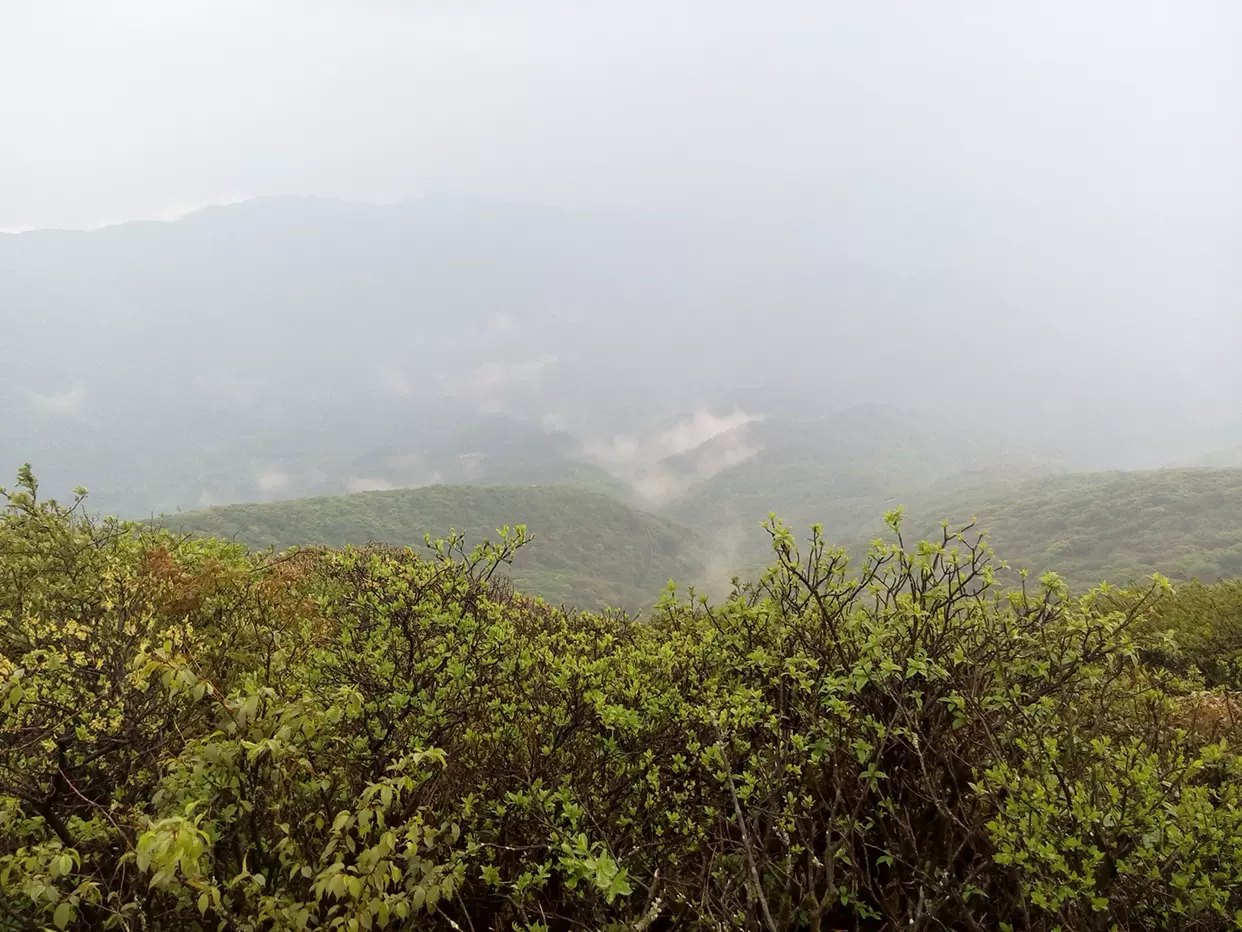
(146, 108)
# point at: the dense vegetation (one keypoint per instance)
(587, 549)
(197, 737)
(1200, 631)
(1122, 527)
(592, 551)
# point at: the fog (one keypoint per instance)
(616, 225)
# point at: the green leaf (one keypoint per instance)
(63, 915)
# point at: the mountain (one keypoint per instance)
(258, 350)
(842, 471)
(154, 467)
(589, 549)
(1118, 527)
(1228, 458)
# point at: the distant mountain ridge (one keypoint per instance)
(843, 471)
(284, 347)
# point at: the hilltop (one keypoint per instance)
(589, 550)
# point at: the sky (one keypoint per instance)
(1113, 111)
(1041, 199)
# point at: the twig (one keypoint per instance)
(741, 824)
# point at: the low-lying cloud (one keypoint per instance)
(490, 385)
(395, 382)
(682, 437)
(367, 484)
(272, 480)
(68, 402)
(665, 465)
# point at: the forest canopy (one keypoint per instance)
(586, 549)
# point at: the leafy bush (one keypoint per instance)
(196, 737)
(1199, 628)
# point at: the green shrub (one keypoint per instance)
(1199, 628)
(195, 737)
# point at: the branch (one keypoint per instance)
(741, 824)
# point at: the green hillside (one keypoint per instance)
(843, 472)
(589, 549)
(1116, 526)
(1228, 458)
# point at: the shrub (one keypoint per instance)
(197, 737)
(1199, 629)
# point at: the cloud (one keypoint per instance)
(272, 480)
(367, 484)
(664, 466)
(67, 402)
(225, 390)
(722, 558)
(396, 383)
(491, 385)
(501, 324)
(682, 437)
(662, 483)
(554, 421)
(491, 377)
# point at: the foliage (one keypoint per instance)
(588, 549)
(196, 737)
(1200, 629)
(1116, 526)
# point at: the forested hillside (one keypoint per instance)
(844, 471)
(1119, 527)
(592, 550)
(588, 549)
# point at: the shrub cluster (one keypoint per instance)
(1198, 631)
(194, 737)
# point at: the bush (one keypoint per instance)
(197, 737)
(1199, 630)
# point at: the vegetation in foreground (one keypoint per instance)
(196, 737)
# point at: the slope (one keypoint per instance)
(1117, 526)
(843, 472)
(589, 550)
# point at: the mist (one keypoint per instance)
(278, 249)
